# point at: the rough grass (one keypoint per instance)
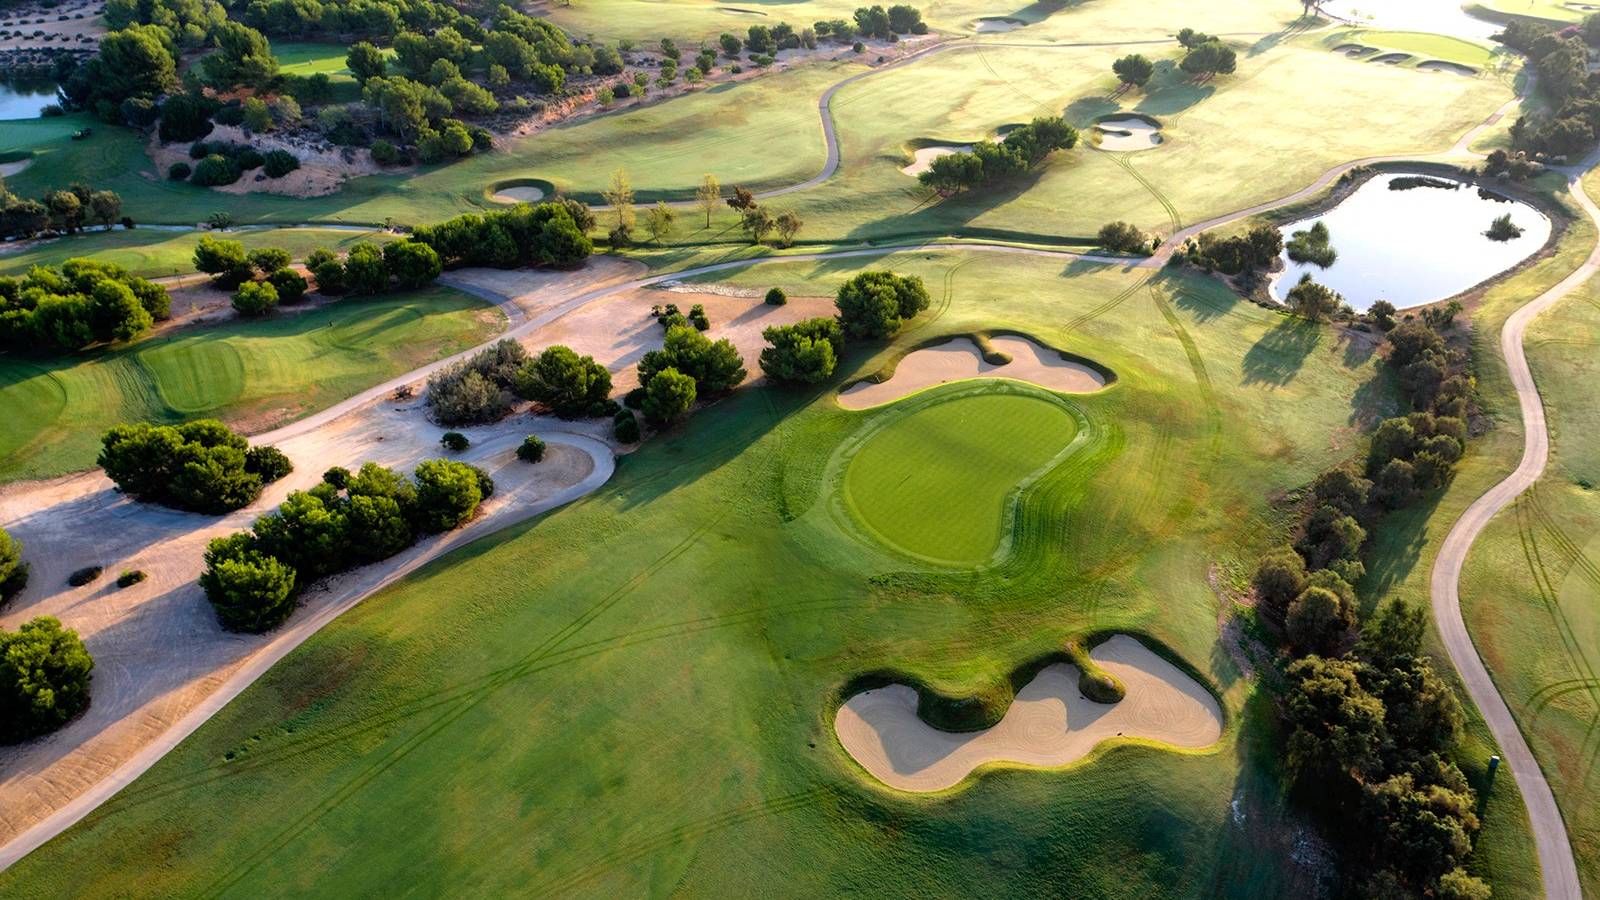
(936, 479)
(257, 373)
(154, 254)
(677, 694)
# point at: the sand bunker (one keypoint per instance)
(961, 359)
(524, 193)
(1392, 59)
(1050, 723)
(1128, 133)
(736, 11)
(1354, 51)
(922, 160)
(997, 25)
(1439, 65)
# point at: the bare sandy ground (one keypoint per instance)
(960, 359)
(320, 173)
(997, 25)
(1049, 724)
(25, 19)
(1128, 134)
(159, 654)
(523, 194)
(922, 160)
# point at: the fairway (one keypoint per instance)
(255, 374)
(938, 478)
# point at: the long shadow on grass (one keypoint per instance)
(1173, 92)
(1278, 357)
(1395, 548)
(1204, 305)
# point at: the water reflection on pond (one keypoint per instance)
(24, 99)
(1415, 246)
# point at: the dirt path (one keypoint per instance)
(1050, 723)
(1556, 863)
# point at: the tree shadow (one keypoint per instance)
(1393, 550)
(1083, 111)
(1204, 306)
(1277, 358)
(1358, 347)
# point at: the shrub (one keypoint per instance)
(13, 571)
(268, 462)
(1279, 578)
(625, 427)
(873, 304)
(178, 171)
(250, 159)
(1318, 621)
(385, 153)
(560, 379)
(477, 390)
(215, 170)
(290, 285)
(225, 261)
(248, 590)
(448, 493)
(278, 163)
(531, 449)
(776, 297)
(454, 441)
(1123, 238)
(328, 270)
(44, 679)
(198, 466)
(668, 396)
(698, 317)
(716, 368)
(267, 260)
(130, 578)
(255, 298)
(83, 576)
(804, 352)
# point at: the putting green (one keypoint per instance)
(938, 481)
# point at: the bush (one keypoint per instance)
(225, 261)
(13, 571)
(385, 153)
(805, 352)
(278, 163)
(668, 396)
(454, 441)
(85, 575)
(448, 493)
(873, 304)
(130, 578)
(776, 297)
(290, 285)
(215, 170)
(698, 318)
(248, 590)
(560, 379)
(625, 427)
(477, 390)
(268, 462)
(255, 298)
(531, 450)
(250, 159)
(198, 466)
(44, 679)
(1123, 237)
(178, 171)
(716, 368)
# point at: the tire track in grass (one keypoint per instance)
(1577, 561)
(1123, 162)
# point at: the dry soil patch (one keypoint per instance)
(961, 359)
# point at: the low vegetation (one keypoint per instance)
(1312, 245)
(44, 679)
(253, 578)
(13, 570)
(200, 466)
(1019, 151)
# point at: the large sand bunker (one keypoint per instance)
(922, 159)
(522, 193)
(1391, 59)
(1439, 65)
(961, 359)
(1050, 723)
(997, 25)
(1128, 133)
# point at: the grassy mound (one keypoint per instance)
(1096, 683)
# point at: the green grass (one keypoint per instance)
(675, 702)
(937, 477)
(1551, 10)
(1421, 45)
(255, 373)
(153, 254)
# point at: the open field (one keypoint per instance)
(255, 374)
(722, 548)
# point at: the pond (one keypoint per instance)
(1436, 16)
(1414, 246)
(24, 99)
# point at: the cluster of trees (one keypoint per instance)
(689, 366)
(1371, 726)
(1242, 254)
(1514, 166)
(264, 279)
(540, 234)
(1123, 237)
(483, 387)
(761, 42)
(1313, 245)
(1206, 54)
(872, 305)
(81, 303)
(375, 20)
(13, 571)
(759, 221)
(59, 212)
(1561, 57)
(254, 578)
(44, 679)
(1021, 150)
(200, 466)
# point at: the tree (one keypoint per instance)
(1330, 535)
(133, 63)
(658, 221)
(44, 679)
(668, 396)
(1336, 725)
(200, 466)
(1134, 69)
(1212, 57)
(730, 44)
(1317, 621)
(620, 196)
(365, 61)
(267, 260)
(571, 385)
(1343, 488)
(531, 449)
(13, 571)
(411, 263)
(805, 352)
(290, 285)
(716, 367)
(776, 297)
(226, 261)
(788, 224)
(742, 199)
(1394, 634)
(257, 117)
(1313, 301)
(448, 493)
(1122, 237)
(708, 196)
(248, 590)
(1279, 578)
(243, 57)
(873, 304)
(255, 298)
(365, 271)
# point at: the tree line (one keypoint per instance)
(1561, 59)
(58, 212)
(1023, 148)
(1371, 728)
(81, 303)
(201, 466)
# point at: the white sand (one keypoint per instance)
(1439, 65)
(997, 25)
(922, 160)
(12, 168)
(1128, 134)
(1391, 59)
(960, 359)
(1049, 724)
(522, 194)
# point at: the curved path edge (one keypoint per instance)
(1557, 866)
